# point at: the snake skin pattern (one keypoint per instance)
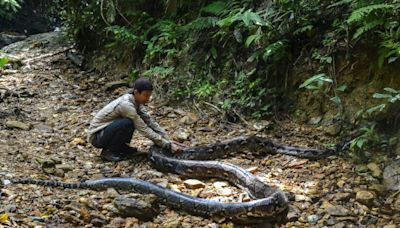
(268, 205)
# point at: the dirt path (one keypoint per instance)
(45, 108)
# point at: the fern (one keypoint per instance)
(360, 14)
(202, 23)
(11, 5)
(367, 27)
(215, 8)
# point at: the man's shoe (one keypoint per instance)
(111, 156)
(130, 152)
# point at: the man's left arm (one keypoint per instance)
(150, 121)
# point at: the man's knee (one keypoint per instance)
(127, 123)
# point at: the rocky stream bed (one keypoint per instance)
(47, 102)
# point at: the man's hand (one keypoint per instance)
(177, 147)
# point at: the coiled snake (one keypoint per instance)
(268, 205)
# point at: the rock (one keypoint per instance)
(341, 196)
(224, 191)
(376, 171)
(112, 193)
(110, 207)
(362, 168)
(315, 120)
(193, 184)
(9, 38)
(116, 84)
(391, 176)
(333, 130)
(340, 183)
(293, 214)
(17, 124)
(365, 197)
(78, 141)
(118, 222)
(181, 135)
(131, 207)
(98, 222)
(171, 223)
(336, 210)
(11, 208)
(299, 198)
(44, 128)
(377, 188)
(389, 226)
(64, 167)
(312, 219)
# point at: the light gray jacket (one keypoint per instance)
(125, 107)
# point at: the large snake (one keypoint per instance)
(268, 205)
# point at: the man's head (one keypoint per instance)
(142, 89)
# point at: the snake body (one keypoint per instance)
(268, 205)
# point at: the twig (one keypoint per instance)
(28, 61)
(241, 118)
(213, 106)
(101, 13)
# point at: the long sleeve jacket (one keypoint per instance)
(125, 107)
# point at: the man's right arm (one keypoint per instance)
(130, 112)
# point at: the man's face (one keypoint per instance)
(143, 97)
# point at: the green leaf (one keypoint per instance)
(214, 8)
(316, 78)
(251, 39)
(336, 100)
(390, 90)
(342, 88)
(3, 62)
(381, 96)
(378, 108)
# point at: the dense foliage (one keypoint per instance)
(242, 51)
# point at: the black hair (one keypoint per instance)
(142, 84)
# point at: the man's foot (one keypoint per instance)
(111, 156)
(131, 152)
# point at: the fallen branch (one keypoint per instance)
(30, 60)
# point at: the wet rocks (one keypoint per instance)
(193, 184)
(18, 125)
(391, 176)
(136, 207)
(365, 197)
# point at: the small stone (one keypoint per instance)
(389, 226)
(333, 130)
(78, 141)
(340, 183)
(118, 222)
(172, 223)
(312, 219)
(336, 210)
(299, 198)
(253, 169)
(365, 197)
(315, 120)
(64, 167)
(10, 208)
(132, 207)
(44, 128)
(112, 193)
(98, 222)
(18, 125)
(376, 171)
(193, 183)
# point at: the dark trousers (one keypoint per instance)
(116, 136)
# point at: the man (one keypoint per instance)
(112, 127)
